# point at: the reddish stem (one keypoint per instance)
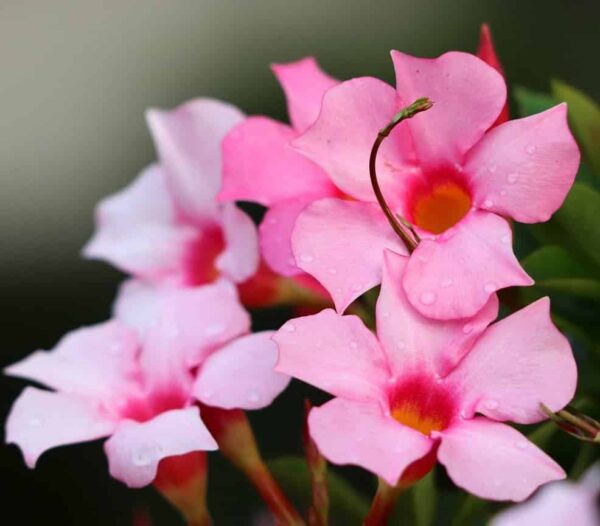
(383, 504)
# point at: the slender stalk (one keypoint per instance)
(318, 512)
(233, 433)
(383, 504)
(400, 226)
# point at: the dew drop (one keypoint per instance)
(214, 330)
(392, 380)
(332, 271)
(512, 178)
(521, 444)
(490, 287)
(306, 258)
(353, 344)
(253, 397)
(503, 192)
(505, 239)
(401, 345)
(36, 421)
(290, 327)
(115, 348)
(356, 287)
(491, 404)
(488, 203)
(445, 283)
(468, 328)
(492, 168)
(463, 415)
(386, 313)
(530, 149)
(428, 298)
(142, 457)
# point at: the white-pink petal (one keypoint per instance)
(494, 461)
(524, 168)
(454, 275)
(41, 420)
(341, 244)
(136, 448)
(518, 363)
(360, 434)
(241, 375)
(188, 141)
(335, 353)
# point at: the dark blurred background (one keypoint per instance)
(76, 77)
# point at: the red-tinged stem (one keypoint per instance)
(383, 504)
(401, 227)
(318, 512)
(233, 433)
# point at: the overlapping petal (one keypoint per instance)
(241, 374)
(494, 461)
(341, 244)
(335, 353)
(136, 448)
(454, 275)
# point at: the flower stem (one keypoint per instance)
(319, 508)
(400, 226)
(233, 433)
(383, 504)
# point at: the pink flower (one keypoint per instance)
(412, 392)
(166, 227)
(445, 171)
(260, 166)
(559, 504)
(139, 388)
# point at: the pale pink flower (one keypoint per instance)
(444, 170)
(166, 228)
(424, 389)
(559, 504)
(139, 388)
(259, 164)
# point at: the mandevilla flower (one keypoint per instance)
(414, 392)
(140, 389)
(445, 171)
(558, 504)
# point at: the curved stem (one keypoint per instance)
(383, 504)
(404, 231)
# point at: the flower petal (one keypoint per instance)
(241, 375)
(518, 363)
(138, 303)
(341, 244)
(360, 434)
(137, 230)
(525, 167)
(494, 461)
(304, 84)
(454, 275)
(259, 165)
(335, 353)
(40, 420)
(342, 137)
(136, 448)
(240, 258)
(97, 362)
(411, 340)
(188, 140)
(275, 236)
(468, 96)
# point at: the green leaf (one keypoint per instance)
(347, 506)
(584, 118)
(584, 288)
(530, 102)
(424, 495)
(552, 262)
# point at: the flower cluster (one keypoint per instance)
(418, 378)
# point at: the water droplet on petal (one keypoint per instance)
(353, 344)
(36, 421)
(401, 345)
(428, 298)
(522, 444)
(468, 328)
(115, 348)
(392, 380)
(463, 414)
(530, 149)
(332, 271)
(488, 203)
(490, 287)
(143, 456)
(356, 287)
(492, 168)
(290, 327)
(386, 313)
(214, 330)
(445, 283)
(306, 258)
(491, 404)
(502, 192)
(505, 239)
(253, 396)
(512, 178)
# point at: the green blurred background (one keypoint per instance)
(76, 77)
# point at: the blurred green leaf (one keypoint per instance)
(584, 288)
(584, 118)
(530, 102)
(552, 262)
(424, 495)
(347, 506)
